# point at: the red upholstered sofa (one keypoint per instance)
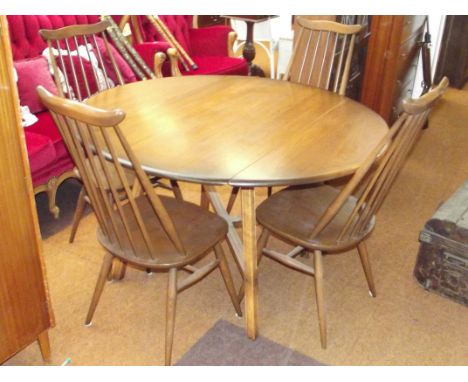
(49, 160)
(209, 47)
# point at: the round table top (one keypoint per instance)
(243, 131)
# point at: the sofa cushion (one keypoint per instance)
(24, 31)
(55, 169)
(41, 151)
(147, 50)
(31, 73)
(125, 70)
(218, 65)
(46, 126)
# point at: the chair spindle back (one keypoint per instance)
(89, 73)
(372, 181)
(322, 54)
(98, 147)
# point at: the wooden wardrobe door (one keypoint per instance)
(24, 312)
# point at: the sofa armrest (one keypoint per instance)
(210, 41)
(154, 54)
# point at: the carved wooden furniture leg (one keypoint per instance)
(318, 278)
(105, 270)
(170, 313)
(363, 254)
(51, 195)
(51, 190)
(80, 206)
(249, 52)
(250, 259)
(44, 345)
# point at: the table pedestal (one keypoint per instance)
(249, 52)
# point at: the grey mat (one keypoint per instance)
(226, 344)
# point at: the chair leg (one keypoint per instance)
(105, 270)
(270, 191)
(318, 265)
(176, 190)
(363, 254)
(170, 313)
(262, 242)
(80, 206)
(119, 268)
(227, 277)
(232, 199)
(204, 200)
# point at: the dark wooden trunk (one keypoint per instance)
(442, 264)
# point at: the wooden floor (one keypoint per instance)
(404, 325)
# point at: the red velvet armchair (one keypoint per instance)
(209, 47)
(49, 161)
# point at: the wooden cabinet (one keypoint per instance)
(391, 63)
(24, 309)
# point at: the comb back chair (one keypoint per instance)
(155, 232)
(323, 219)
(84, 62)
(322, 54)
(321, 58)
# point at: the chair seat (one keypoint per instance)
(293, 213)
(199, 230)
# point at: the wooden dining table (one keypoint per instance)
(247, 132)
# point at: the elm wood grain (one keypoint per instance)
(144, 229)
(25, 313)
(205, 142)
(324, 219)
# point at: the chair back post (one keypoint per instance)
(319, 51)
(98, 147)
(376, 175)
(75, 76)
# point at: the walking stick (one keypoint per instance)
(169, 37)
(127, 51)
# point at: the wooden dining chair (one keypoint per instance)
(97, 68)
(321, 58)
(154, 232)
(322, 54)
(323, 219)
